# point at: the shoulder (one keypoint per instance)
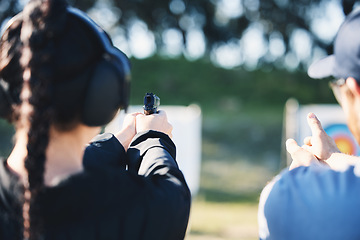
(317, 179)
(104, 151)
(314, 182)
(310, 198)
(11, 187)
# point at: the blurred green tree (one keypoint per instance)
(221, 23)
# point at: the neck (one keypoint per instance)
(63, 155)
(17, 157)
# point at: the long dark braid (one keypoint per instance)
(45, 54)
(41, 23)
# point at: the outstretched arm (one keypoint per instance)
(324, 147)
(300, 156)
(319, 146)
(151, 159)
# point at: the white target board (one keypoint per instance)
(186, 122)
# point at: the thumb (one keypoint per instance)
(299, 155)
(314, 124)
(292, 146)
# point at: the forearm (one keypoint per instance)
(151, 156)
(104, 151)
(341, 161)
(149, 149)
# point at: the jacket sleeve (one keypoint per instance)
(104, 151)
(151, 156)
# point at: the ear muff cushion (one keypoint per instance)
(102, 99)
(122, 63)
(108, 89)
(5, 103)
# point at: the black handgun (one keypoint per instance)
(151, 103)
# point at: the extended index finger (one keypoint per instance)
(314, 124)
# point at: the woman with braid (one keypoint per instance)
(61, 79)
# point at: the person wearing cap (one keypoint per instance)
(318, 197)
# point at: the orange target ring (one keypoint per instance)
(344, 145)
(343, 138)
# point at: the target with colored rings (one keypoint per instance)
(343, 138)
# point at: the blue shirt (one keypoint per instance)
(311, 203)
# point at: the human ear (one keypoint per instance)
(353, 86)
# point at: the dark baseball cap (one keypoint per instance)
(345, 62)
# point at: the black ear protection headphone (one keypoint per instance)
(108, 87)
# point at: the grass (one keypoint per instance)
(223, 221)
(238, 181)
(226, 205)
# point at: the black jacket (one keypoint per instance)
(148, 200)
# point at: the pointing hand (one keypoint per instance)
(320, 144)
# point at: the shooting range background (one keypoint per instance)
(241, 139)
(242, 133)
(266, 44)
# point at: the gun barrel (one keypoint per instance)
(151, 103)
